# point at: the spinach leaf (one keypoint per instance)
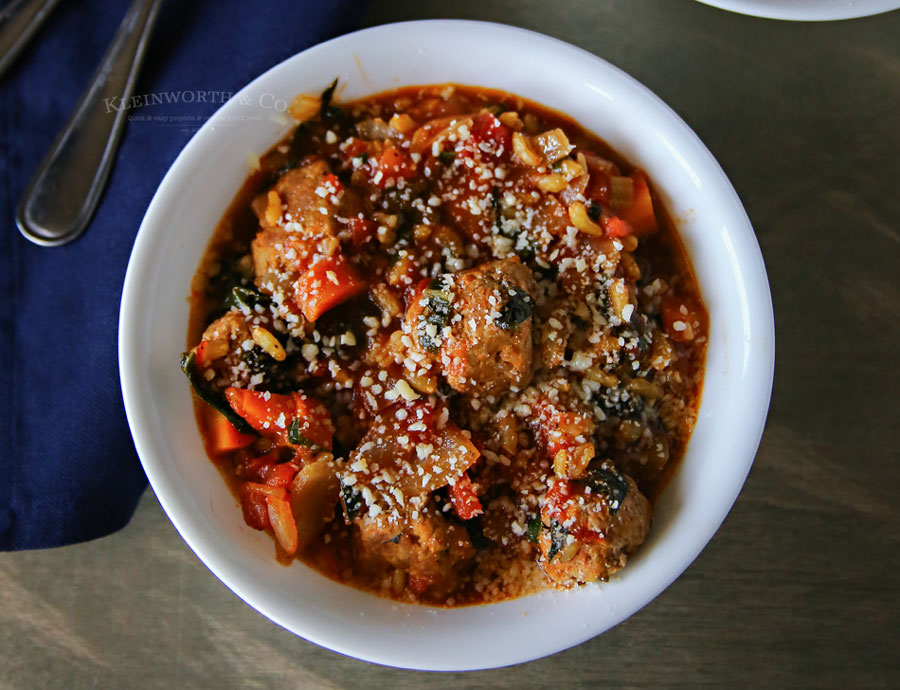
(447, 156)
(257, 359)
(611, 484)
(534, 529)
(476, 533)
(297, 437)
(435, 317)
(558, 536)
(351, 500)
(245, 296)
(212, 398)
(518, 307)
(327, 95)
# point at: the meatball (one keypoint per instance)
(297, 224)
(221, 355)
(428, 548)
(590, 527)
(478, 322)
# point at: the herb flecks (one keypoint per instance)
(297, 437)
(611, 484)
(558, 537)
(519, 306)
(534, 529)
(351, 501)
(435, 316)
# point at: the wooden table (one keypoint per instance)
(800, 587)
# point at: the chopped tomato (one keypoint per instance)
(294, 420)
(253, 505)
(361, 230)
(488, 129)
(256, 469)
(616, 227)
(681, 319)
(465, 501)
(355, 147)
(200, 354)
(393, 163)
(560, 505)
(282, 475)
(331, 180)
(222, 436)
(327, 284)
(418, 583)
(640, 215)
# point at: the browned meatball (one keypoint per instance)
(296, 219)
(220, 354)
(479, 321)
(591, 527)
(429, 549)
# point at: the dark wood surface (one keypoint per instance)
(801, 586)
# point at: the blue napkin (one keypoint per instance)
(68, 469)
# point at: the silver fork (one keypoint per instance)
(63, 195)
(18, 22)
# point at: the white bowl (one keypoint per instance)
(201, 184)
(806, 10)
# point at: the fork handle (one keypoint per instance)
(65, 191)
(18, 22)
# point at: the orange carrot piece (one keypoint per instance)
(640, 215)
(223, 437)
(327, 284)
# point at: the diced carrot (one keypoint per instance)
(222, 436)
(283, 524)
(284, 417)
(640, 214)
(327, 284)
(616, 227)
(464, 499)
(313, 420)
(263, 411)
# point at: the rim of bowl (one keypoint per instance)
(803, 11)
(758, 360)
